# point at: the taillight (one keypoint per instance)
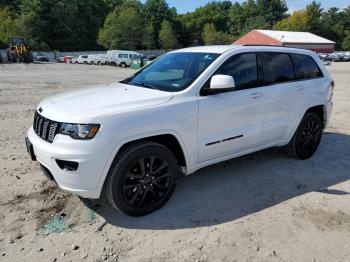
(333, 84)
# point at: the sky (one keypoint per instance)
(184, 6)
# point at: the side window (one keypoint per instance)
(243, 68)
(305, 67)
(277, 67)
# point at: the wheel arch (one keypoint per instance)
(169, 139)
(321, 111)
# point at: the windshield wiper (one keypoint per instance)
(147, 85)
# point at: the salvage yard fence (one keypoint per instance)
(53, 56)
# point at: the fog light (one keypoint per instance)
(67, 165)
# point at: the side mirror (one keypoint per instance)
(220, 84)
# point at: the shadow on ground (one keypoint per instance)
(242, 186)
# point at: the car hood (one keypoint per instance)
(83, 105)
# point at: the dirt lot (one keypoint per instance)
(261, 207)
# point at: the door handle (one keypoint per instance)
(256, 95)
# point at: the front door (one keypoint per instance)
(232, 122)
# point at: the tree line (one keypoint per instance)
(76, 25)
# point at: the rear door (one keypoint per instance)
(284, 95)
(232, 122)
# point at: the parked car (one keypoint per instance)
(124, 58)
(83, 59)
(121, 58)
(326, 62)
(41, 58)
(151, 57)
(100, 59)
(60, 59)
(74, 60)
(190, 108)
(335, 57)
(112, 57)
(346, 56)
(323, 56)
(67, 59)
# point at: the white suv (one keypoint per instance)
(124, 58)
(188, 109)
(83, 59)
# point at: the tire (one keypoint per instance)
(14, 57)
(138, 190)
(123, 65)
(307, 137)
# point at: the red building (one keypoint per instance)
(303, 40)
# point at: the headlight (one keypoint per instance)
(79, 131)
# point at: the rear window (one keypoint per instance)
(305, 67)
(277, 67)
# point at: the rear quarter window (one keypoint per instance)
(277, 67)
(305, 67)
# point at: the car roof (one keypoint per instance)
(220, 49)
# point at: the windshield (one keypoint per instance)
(172, 72)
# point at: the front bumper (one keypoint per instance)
(91, 156)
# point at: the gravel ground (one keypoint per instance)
(260, 207)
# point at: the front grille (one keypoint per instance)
(45, 128)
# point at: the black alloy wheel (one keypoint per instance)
(307, 137)
(147, 182)
(142, 178)
(310, 136)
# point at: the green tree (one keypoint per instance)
(346, 42)
(272, 10)
(148, 37)
(13, 5)
(122, 30)
(156, 11)
(298, 21)
(256, 22)
(64, 24)
(212, 37)
(314, 12)
(8, 25)
(167, 36)
(236, 19)
(216, 13)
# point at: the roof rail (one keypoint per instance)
(275, 46)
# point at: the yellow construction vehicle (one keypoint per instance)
(19, 51)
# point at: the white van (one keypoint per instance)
(112, 57)
(121, 58)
